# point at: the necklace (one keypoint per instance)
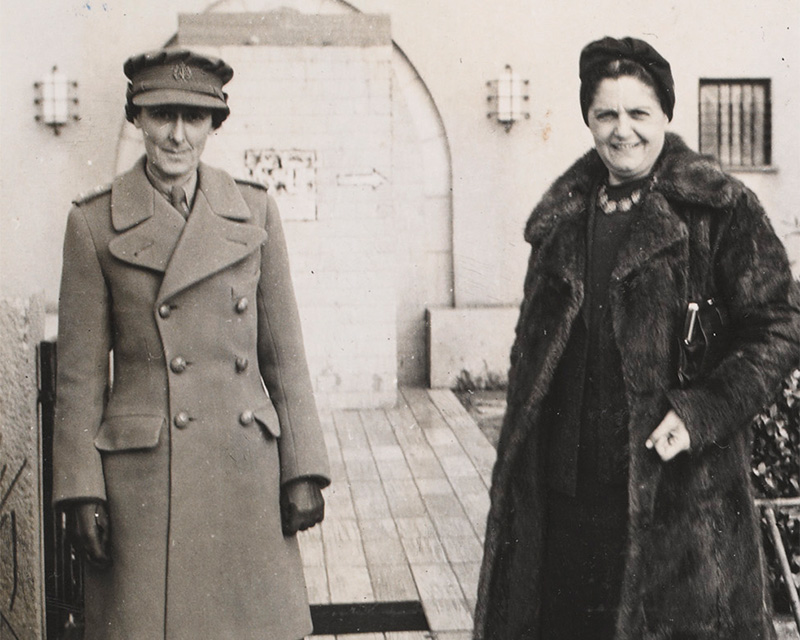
(609, 206)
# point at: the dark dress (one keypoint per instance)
(587, 454)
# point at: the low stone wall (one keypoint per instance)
(473, 339)
(21, 556)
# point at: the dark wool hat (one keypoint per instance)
(597, 54)
(177, 77)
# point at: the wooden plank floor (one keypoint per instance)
(405, 513)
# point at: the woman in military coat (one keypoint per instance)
(185, 459)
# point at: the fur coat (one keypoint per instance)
(693, 566)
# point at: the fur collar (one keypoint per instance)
(680, 175)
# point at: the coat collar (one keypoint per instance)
(155, 236)
(680, 177)
(128, 208)
(208, 244)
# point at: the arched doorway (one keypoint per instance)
(407, 187)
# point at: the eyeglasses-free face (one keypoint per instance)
(174, 139)
(628, 126)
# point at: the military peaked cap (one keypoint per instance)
(178, 77)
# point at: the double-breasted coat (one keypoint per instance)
(210, 410)
(693, 566)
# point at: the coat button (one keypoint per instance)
(246, 417)
(242, 304)
(178, 365)
(164, 311)
(181, 420)
(241, 363)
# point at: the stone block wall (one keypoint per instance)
(476, 340)
(332, 117)
(21, 557)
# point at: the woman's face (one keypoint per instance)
(628, 126)
(174, 139)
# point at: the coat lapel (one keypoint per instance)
(214, 237)
(681, 177)
(655, 228)
(557, 229)
(564, 253)
(149, 225)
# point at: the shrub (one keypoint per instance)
(466, 385)
(776, 474)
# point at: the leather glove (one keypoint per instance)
(89, 531)
(302, 505)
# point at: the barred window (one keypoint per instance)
(735, 122)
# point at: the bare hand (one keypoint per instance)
(302, 506)
(670, 437)
(89, 529)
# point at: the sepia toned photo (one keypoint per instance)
(399, 320)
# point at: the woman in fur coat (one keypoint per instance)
(620, 502)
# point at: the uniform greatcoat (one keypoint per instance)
(693, 566)
(186, 446)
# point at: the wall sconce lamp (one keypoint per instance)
(507, 95)
(56, 100)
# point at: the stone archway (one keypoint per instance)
(419, 183)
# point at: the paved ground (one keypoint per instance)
(405, 512)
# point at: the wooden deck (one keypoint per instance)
(405, 514)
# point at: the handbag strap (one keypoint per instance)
(702, 249)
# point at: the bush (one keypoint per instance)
(776, 474)
(467, 385)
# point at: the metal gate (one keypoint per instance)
(63, 576)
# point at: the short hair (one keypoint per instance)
(218, 116)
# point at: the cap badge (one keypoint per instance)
(181, 72)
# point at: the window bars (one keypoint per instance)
(736, 122)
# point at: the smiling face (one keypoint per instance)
(174, 139)
(628, 126)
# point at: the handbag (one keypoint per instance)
(704, 339)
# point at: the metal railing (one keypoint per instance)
(769, 508)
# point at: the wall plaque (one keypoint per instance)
(291, 177)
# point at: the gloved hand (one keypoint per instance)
(302, 505)
(89, 531)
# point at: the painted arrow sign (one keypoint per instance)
(373, 179)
